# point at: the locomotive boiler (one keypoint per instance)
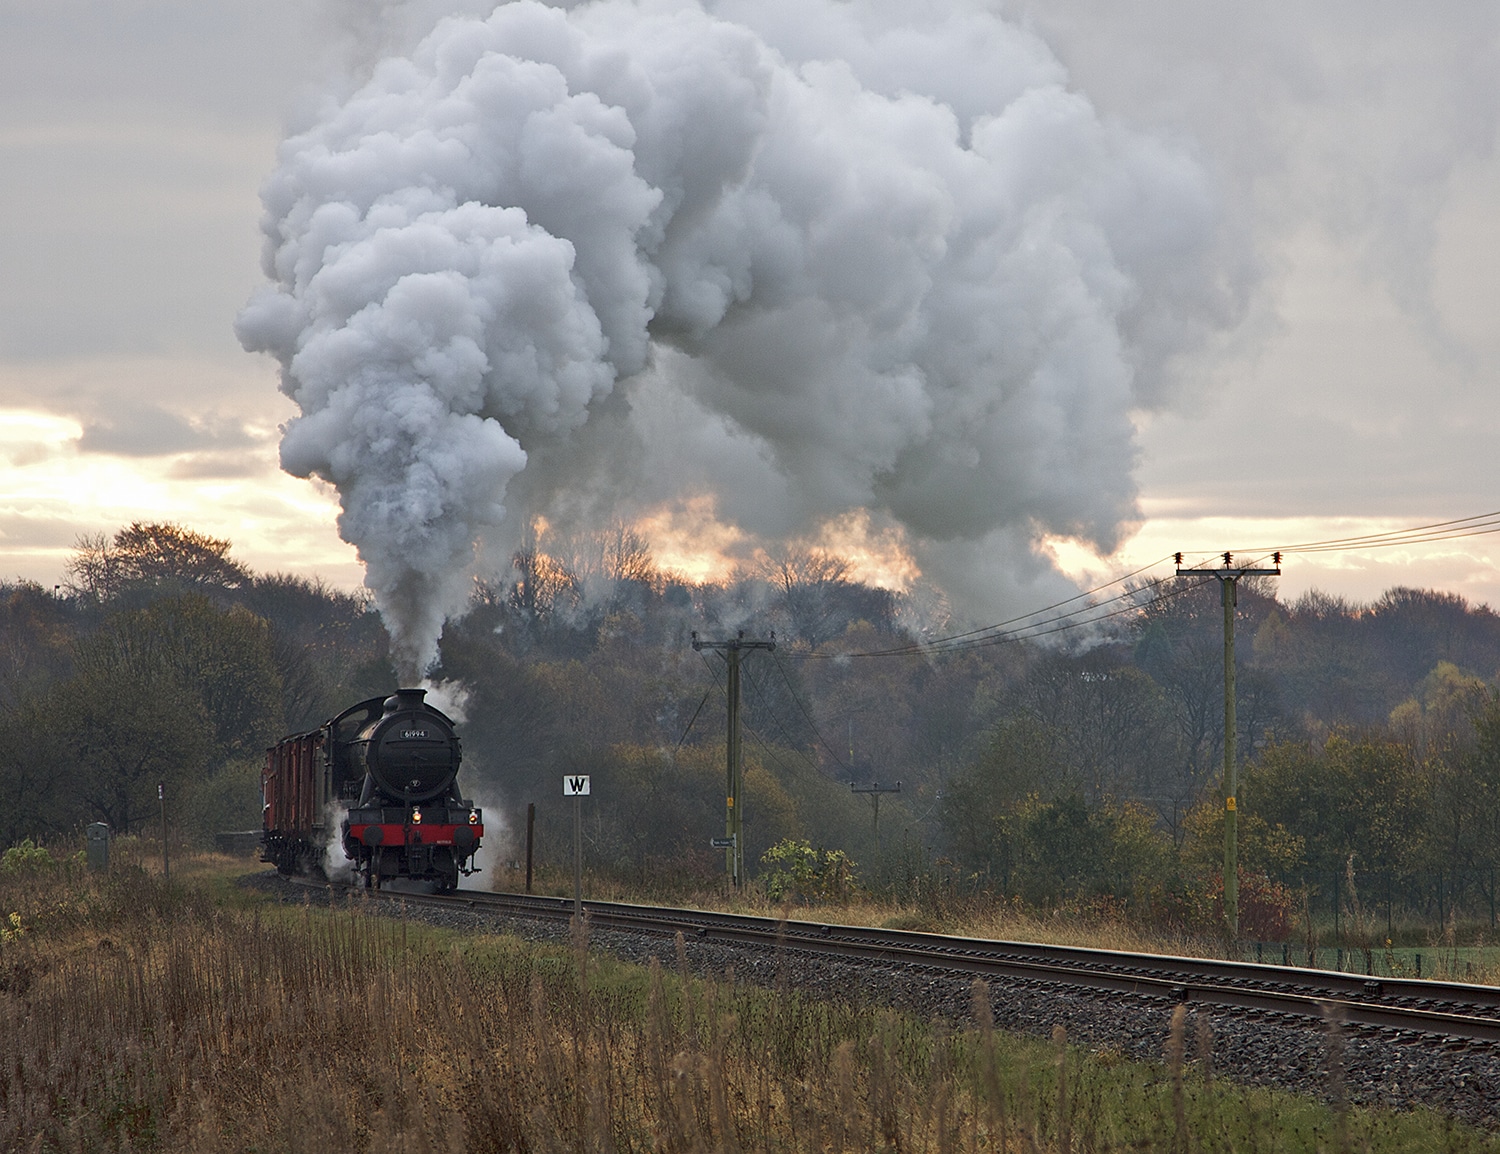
(381, 779)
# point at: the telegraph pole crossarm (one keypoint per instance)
(875, 789)
(1229, 579)
(734, 852)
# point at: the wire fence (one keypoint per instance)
(1383, 903)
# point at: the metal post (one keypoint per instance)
(530, 835)
(577, 856)
(161, 796)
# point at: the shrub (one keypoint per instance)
(1267, 907)
(26, 858)
(795, 870)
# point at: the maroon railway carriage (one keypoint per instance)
(383, 777)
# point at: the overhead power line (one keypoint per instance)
(792, 689)
(1026, 626)
(1002, 631)
(1034, 625)
(1478, 525)
(1128, 602)
(767, 747)
(988, 629)
(765, 701)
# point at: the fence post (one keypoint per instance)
(1338, 934)
(530, 834)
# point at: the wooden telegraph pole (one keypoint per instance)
(1229, 579)
(875, 789)
(734, 850)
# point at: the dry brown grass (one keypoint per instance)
(980, 917)
(1476, 960)
(138, 1015)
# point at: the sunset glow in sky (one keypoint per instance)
(1354, 147)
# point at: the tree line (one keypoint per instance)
(163, 662)
(1085, 773)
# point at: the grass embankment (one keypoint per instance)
(139, 1014)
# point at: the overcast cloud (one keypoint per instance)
(1351, 146)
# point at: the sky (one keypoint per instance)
(1351, 153)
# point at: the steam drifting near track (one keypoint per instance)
(806, 259)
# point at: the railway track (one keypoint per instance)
(1415, 1008)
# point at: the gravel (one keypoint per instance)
(1379, 1066)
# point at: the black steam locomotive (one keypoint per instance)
(383, 776)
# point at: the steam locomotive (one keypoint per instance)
(383, 776)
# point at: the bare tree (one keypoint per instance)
(810, 585)
(543, 585)
(93, 570)
(627, 555)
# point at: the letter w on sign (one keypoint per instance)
(576, 785)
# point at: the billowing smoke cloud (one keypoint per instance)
(805, 258)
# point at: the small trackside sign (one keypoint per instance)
(576, 785)
(721, 842)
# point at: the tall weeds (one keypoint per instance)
(150, 1020)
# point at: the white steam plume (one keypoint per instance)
(806, 258)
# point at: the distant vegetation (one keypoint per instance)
(1083, 778)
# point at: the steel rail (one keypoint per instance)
(1415, 1006)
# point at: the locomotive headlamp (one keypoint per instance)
(416, 817)
(473, 817)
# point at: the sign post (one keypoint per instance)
(576, 786)
(161, 796)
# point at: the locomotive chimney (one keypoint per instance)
(404, 699)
